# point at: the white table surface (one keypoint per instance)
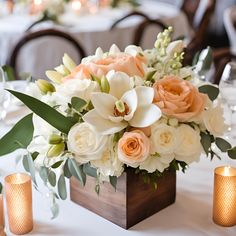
(91, 30)
(191, 215)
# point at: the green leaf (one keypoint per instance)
(52, 178)
(9, 72)
(206, 142)
(31, 168)
(47, 113)
(232, 153)
(195, 58)
(43, 173)
(1, 187)
(78, 103)
(205, 58)
(77, 171)
(88, 170)
(61, 185)
(66, 169)
(210, 90)
(34, 155)
(222, 144)
(21, 133)
(54, 209)
(25, 163)
(56, 165)
(113, 181)
(150, 75)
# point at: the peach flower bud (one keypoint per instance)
(133, 148)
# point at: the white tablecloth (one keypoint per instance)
(191, 215)
(91, 30)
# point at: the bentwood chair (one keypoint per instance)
(43, 50)
(199, 22)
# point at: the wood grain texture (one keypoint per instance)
(132, 202)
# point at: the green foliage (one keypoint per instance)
(66, 169)
(206, 142)
(9, 72)
(210, 90)
(78, 103)
(222, 144)
(113, 181)
(57, 164)
(19, 136)
(88, 170)
(28, 164)
(52, 178)
(43, 173)
(232, 153)
(1, 187)
(77, 171)
(61, 186)
(204, 60)
(47, 113)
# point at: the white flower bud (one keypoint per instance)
(68, 62)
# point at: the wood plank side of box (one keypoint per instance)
(133, 200)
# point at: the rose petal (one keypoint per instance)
(145, 116)
(102, 125)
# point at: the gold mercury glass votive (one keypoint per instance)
(224, 196)
(2, 223)
(19, 203)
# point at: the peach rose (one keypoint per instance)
(178, 98)
(133, 148)
(122, 62)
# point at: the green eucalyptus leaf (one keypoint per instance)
(222, 144)
(47, 113)
(55, 210)
(232, 153)
(31, 168)
(61, 185)
(25, 163)
(21, 133)
(52, 178)
(88, 170)
(1, 187)
(43, 173)
(77, 171)
(66, 169)
(206, 142)
(113, 181)
(57, 164)
(210, 90)
(78, 103)
(34, 155)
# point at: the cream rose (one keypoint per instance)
(213, 120)
(164, 139)
(178, 98)
(122, 62)
(189, 148)
(133, 148)
(85, 143)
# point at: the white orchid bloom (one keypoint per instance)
(124, 106)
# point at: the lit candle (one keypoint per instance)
(37, 6)
(76, 5)
(224, 196)
(18, 189)
(2, 223)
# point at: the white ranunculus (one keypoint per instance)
(133, 50)
(213, 120)
(189, 148)
(85, 143)
(109, 164)
(153, 163)
(164, 139)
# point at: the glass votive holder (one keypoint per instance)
(224, 196)
(18, 189)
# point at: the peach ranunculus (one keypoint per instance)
(122, 62)
(178, 98)
(133, 148)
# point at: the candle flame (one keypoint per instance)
(227, 171)
(76, 5)
(38, 2)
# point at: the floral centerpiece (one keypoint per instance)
(136, 109)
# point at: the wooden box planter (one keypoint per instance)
(133, 200)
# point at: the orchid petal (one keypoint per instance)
(115, 119)
(102, 125)
(145, 95)
(103, 104)
(119, 83)
(130, 98)
(145, 116)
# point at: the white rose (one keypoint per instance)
(214, 121)
(164, 139)
(77, 88)
(189, 148)
(153, 163)
(109, 164)
(86, 143)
